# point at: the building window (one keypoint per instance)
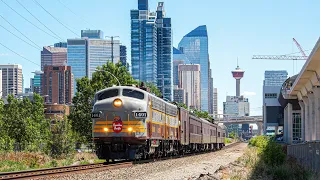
(296, 126)
(270, 95)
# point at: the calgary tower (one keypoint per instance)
(237, 74)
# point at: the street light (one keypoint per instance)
(110, 74)
(111, 45)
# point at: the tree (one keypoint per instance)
(63, 139)
(6, 143)
(182, 105)
(154, 89)
(86, 88)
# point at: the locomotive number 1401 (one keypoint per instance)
(140, 114)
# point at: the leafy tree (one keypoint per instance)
(154, 89)
(232, 135)
(182, 105)
(6, 143)
(63, 139)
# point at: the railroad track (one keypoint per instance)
(41, 173)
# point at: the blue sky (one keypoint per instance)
(235, 28)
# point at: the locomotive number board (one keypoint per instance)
(140, 114)
(96, 115)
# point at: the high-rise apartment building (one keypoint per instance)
(92, 34)
(215, 102)
(189, 80)
(151, 47)
(55, 56)
(195, 46)
(11, 79)
(57, 84)
(272, 111)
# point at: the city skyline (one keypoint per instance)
(230, 36)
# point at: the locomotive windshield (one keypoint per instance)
(133, 93)
(108, 94)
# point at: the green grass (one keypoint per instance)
(26, 161)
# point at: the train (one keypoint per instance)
(128, 122)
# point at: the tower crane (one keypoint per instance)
(284, 57)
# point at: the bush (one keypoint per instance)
(227, 141)
(272, 153)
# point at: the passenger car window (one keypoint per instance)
(108, 94)
(133, 93)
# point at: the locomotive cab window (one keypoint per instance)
(133, 93)
(108, 94)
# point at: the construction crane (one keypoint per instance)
(284, 57)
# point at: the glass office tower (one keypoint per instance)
(151, 47)
(77, 59)
(195, 46)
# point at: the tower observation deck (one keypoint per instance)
(237, 74)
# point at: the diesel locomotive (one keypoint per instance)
(128, 122)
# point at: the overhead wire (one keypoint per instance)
(29, 21)
(19, 37)
(75, 14)
(19, 31)
(39, 21)
(18, 54)
(54, 17)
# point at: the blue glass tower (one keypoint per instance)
(195, 46)
(144, 44)
(77, 59)
(164, 53)
(151, 47)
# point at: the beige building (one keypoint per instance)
(189, 80)
(11, 79)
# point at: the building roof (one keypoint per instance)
(307, 72)
(55, 49)
(200, 31)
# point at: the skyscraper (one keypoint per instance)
(92, 34)
(99, 52)
(77, 59)
(210, 89)
(215, 101)
(11, 79)
(151, 43)
(189, 80)
(195, 46)
(178, 58)
(123, 55)
(57, 84)
(35, 83)
(55, 56)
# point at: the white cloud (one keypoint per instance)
(4, 54)
(248, 93)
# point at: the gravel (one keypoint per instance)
(193, 167)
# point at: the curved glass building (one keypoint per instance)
(195, 46)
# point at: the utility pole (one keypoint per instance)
(112, 43)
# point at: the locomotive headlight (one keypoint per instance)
(117, 103)
(106, 129)
(130, 129)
